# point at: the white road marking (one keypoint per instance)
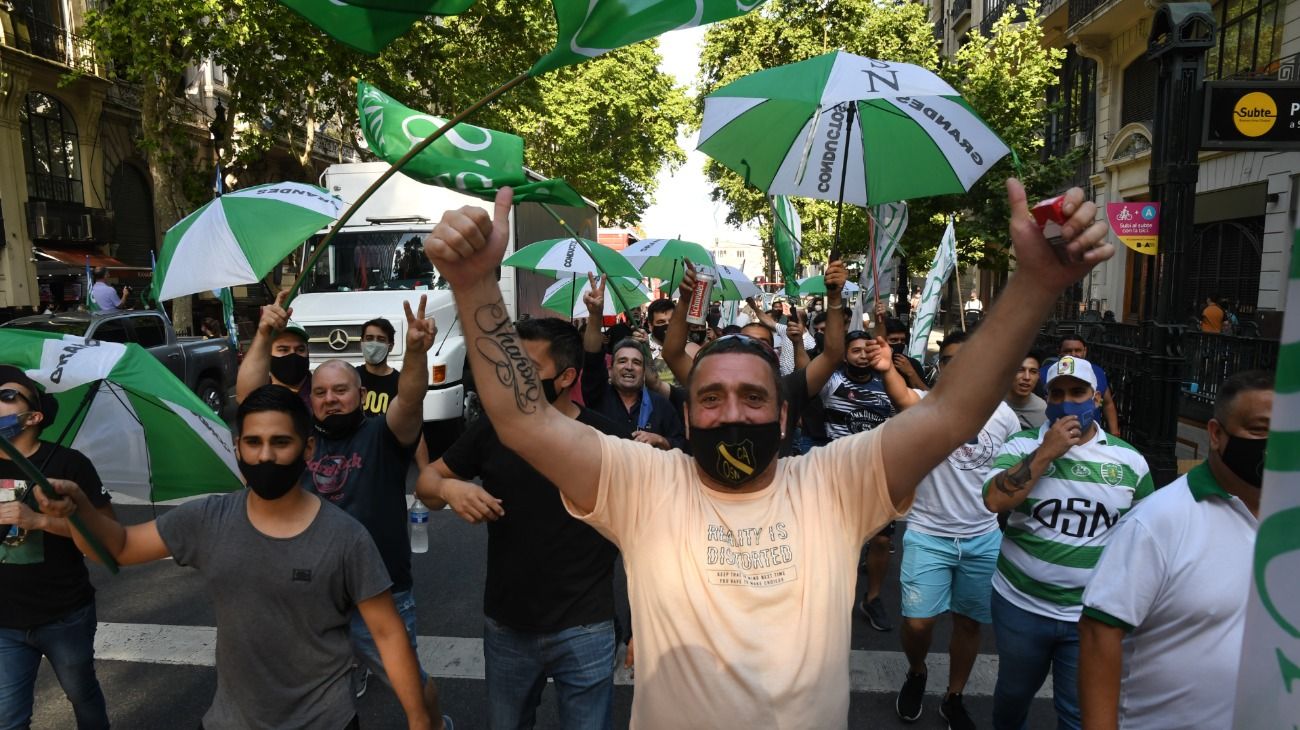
(451, 657)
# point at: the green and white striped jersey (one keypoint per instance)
(1055, 537)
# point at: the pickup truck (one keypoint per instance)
(207, 367)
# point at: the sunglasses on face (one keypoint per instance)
(741, 343)
(9, 395)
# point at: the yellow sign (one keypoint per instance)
(1254, 114)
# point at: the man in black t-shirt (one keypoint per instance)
(377, 376)
(47, 604)
(549, 596)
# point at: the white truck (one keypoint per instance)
(377, 262)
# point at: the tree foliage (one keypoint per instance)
(606, 125)
(1004, 76)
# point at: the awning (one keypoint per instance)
(79, 257)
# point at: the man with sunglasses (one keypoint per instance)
(741, 565)
(47, 604)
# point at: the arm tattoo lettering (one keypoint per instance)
(1012, 481)
(500, 345)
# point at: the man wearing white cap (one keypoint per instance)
(1065, 484)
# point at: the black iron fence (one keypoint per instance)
(959, 8)
(1080, 9)
(1125, 352)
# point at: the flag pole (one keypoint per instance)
(875, 268)
(393, 169)
(844, 174)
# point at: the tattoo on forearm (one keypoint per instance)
(500, 345)
(1012, 481)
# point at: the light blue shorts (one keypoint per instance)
(941, 574)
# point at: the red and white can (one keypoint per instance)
(697, 312)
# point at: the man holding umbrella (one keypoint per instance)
(48, 604)
(738, 561)
(277, 354)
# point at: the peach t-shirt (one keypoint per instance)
(741, 603)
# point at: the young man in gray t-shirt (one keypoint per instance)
(284, 570)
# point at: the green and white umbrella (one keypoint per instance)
(564, 257)
(565, 296)
(661, 258)
(817, 285)
(148, 435)
(903, 132)
(239, 237)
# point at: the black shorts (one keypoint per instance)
(887, 530)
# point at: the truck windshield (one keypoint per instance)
(373, 261)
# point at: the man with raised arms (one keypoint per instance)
(741, 567)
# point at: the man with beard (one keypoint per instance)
(277, 355)
(740, 565)
(549, 595)
(1165, 610)
(360, 464)
(619, 393)
(285, 571)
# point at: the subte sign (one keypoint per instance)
(1252, 115)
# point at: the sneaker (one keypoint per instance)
(953, 711)
(874, 612)
(908, 704)
(360, 675)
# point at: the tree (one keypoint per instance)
(1004, 77)
(287, 81)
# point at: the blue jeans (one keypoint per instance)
(69, 644)
(363, 644)
(579, 659)
(1029, 645)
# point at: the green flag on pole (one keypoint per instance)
(945, 261)
(1268, 684)
(589, 28)
(787, 239)
(370, 25)
(474, 160)
(891, 222)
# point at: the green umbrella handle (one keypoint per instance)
(29, 470)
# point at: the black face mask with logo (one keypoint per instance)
(734, 454)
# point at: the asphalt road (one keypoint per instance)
(165, 690)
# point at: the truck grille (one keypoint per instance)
(334, 340)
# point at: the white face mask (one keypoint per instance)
(374, 352)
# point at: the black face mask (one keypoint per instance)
(290, 369)
(340, 425)
(1245, 458)
(859, 371)
(270, 480)
(549, 391)
(819, 340)
(734, 454)
(659, 332)
(897, 349)
(697, 337)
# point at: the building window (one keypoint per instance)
(1139, 96)
(50, 149)
(1072, 105)
(1225, 261)
(1250, 39)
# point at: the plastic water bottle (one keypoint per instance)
(419, 527)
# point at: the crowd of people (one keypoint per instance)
(746, 476)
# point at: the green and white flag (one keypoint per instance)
(945, 261)
(589, 28)
(1268, 683)
(148, 435)
(891, 222)
(474, 160)
(787, 240)
(370, 25)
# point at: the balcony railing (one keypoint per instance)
(994, 9)
(1080, 9)
(51, 41)
(960, 8)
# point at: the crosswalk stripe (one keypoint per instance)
(453, 657)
